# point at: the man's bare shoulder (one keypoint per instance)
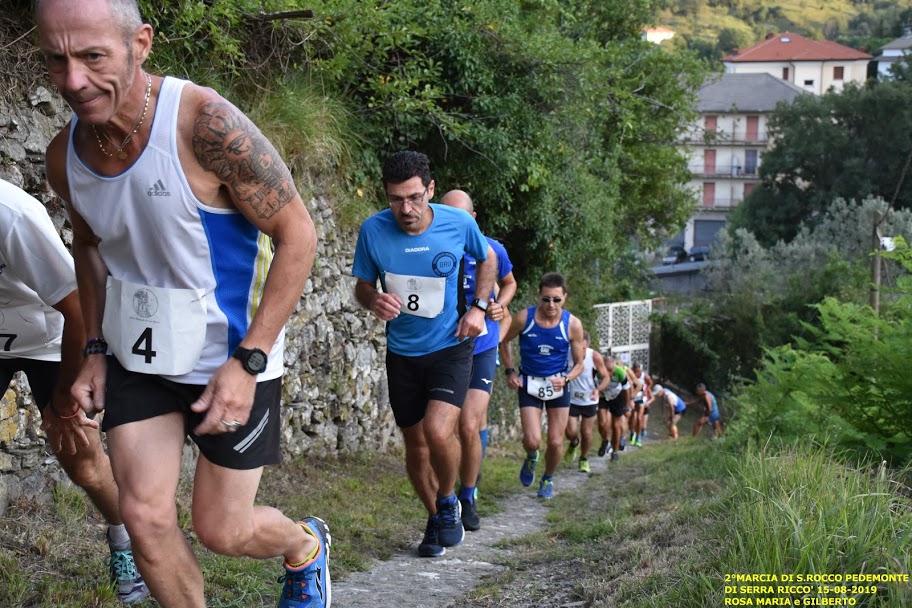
(55, 162)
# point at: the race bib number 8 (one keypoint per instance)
(541, 388)
(421, 296)
(155, 330)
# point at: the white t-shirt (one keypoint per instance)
(36, 272)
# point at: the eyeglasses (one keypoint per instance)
(412, 200)
(547, 299)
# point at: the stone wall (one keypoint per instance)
(334, 391)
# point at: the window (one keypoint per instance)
(709, 123)
(838, 72)
(785, 73)
(709, 194)
(750, 162)
(808, 83)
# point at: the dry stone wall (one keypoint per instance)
(335, 392)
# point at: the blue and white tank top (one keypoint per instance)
(154, 231)
(544, 351)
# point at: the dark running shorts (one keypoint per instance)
(618, 405)
(42, 377)
(438, 376)
(483, 366)
(586, 411)
(132, 397)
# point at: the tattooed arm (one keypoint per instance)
(230, 163)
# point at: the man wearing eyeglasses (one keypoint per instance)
(548, 334)
(484, 363)
(416, 251)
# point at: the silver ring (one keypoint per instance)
(230, 425)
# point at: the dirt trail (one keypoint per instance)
(407, 581)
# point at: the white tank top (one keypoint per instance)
(155, 232)
(582, 387)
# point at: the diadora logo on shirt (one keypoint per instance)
(416, 249)
(158, 189)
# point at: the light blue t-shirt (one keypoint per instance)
(504, 267)
(437, 253)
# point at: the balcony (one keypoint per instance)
(703, 171)
(718, 203)
(738, 137)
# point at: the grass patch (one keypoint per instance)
(54, 553)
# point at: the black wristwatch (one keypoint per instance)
(253, 359)
(482, 304)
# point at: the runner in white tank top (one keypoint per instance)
(584, 398)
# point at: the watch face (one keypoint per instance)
(256, 361)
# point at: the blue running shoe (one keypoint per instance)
(130, 585)
(546, 489)
(644, 434)
(430, 547)
(309, 586)
(527, 472)
(450, 531)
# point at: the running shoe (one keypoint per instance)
(606, 445)
(449, 529)
(429, 546)
(571, 453)
(615, 456)
(546, 489)
(643, 436)
(584, 465)
(470, 519)
(130, 585)
(309, 586)
(623, 444)
(633, 438)
(636, 442)
(527, 472)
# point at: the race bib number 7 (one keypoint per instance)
(541, 388)
(155, 330)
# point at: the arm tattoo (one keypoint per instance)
(226, 143)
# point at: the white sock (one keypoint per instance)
(118, 535)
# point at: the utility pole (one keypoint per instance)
(875, 261)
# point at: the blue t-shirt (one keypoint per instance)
(384, 248)
(544, 351)
(504, 267)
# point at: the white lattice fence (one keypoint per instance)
(623, 330)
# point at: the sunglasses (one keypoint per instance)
(547, 299)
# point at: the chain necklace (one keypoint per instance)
(119, 152)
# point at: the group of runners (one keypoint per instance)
(191, 248)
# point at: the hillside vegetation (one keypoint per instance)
(715, 27)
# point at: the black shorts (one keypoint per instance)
(484, 365)
(646, 410)
(132, 397)
(42, 377)
(586, 411)
(618, 405)
(439, 376)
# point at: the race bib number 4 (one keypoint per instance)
(542, 388)
(421, 296)
(155, 330)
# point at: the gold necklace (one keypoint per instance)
(119, 152)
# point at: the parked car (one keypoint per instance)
(698, 253)
(675, 254)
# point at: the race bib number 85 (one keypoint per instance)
(542, 388)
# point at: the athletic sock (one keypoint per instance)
(310, 557)
(117, 535)
(467, 493)
(483, 434)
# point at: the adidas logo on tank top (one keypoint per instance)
(158, 189)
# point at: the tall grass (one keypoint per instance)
(801, 511)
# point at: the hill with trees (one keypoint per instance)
(713, 28)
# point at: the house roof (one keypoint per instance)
(901, 43)
(745, 93)
(789, 46)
